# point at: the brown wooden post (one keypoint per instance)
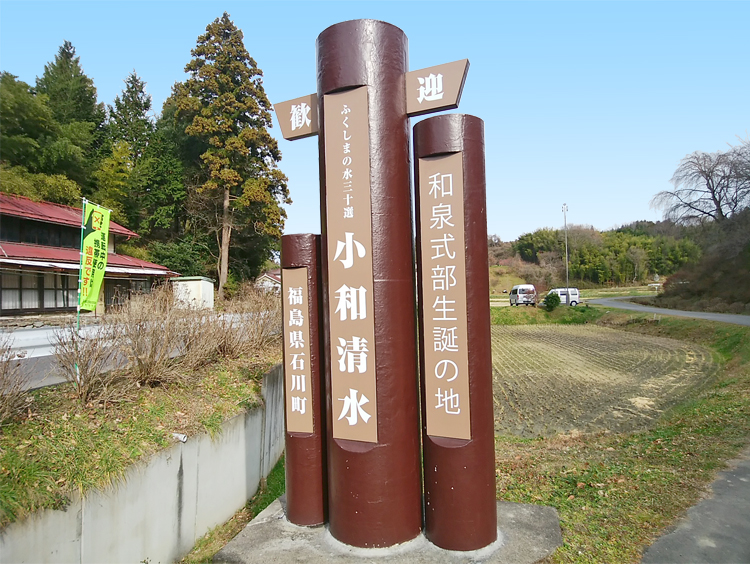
(455, 348)
(306, 495)
(373, 461)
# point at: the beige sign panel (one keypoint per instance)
(435, 88)
(298, 118)
(350, 280)
(444, 333)
(297, 374)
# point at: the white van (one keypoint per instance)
(523, 294)
(575, 296)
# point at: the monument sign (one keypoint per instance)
(365, 95)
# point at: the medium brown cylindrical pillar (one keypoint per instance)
(459, 473)
(306, 481)
(375, 487)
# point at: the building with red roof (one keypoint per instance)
(269, 280)
(40, 254)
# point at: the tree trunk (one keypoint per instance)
(226, 233)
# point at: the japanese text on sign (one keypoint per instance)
(350, 280)
(444, 330)
(93, 254)
(297, 367)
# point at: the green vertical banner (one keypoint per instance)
(93, 254)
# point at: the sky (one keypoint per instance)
(591, 104)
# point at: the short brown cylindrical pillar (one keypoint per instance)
(306, 481)
(459, 455)
(375, 485)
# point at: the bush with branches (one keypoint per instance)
(150, 333)
(551, 301)
(88, 359)
(153, 340)
(13, 396)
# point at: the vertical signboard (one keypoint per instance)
(94, 242)
(444, 330)
(350, 279)
(297, 374)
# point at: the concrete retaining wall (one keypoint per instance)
(161, 507)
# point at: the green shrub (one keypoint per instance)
(551, 301)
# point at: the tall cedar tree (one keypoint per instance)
(228, 109)
(71, 94)
(130, 118)
(72, 98)
(159, 185)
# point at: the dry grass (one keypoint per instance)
(13, 399)
(151, 341)
(560, 378)
(616, 492)
(250, 321)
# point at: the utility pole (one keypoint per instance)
(565, 219)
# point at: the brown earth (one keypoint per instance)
(550, 379)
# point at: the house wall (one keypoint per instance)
(194, 292)
(158, 511)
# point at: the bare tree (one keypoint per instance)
(740, 158)
(708, 186)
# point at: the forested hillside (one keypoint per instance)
(199, 182)
(633, 254)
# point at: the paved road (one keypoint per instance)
(35, 352)
(715, 530)
(622, 303)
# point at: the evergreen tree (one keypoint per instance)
(156, 204)
(25, 122)
(129, 118)
(71, 94)
(33, 141)
(112, 178)
(72, 98)
(228, 110)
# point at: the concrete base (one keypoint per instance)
(526, 534)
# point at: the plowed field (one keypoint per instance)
(558, 378)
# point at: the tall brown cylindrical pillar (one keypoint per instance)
(306, 480)
(374, 487)
(459, 473)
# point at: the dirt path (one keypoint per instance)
(558, 379)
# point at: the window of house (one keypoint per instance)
(10, 297)
(65, 290)
(32, 290)
(10, 229)
(140, 286)
(72, 290)
(60, 290)
(70, 237)
(29, 291)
